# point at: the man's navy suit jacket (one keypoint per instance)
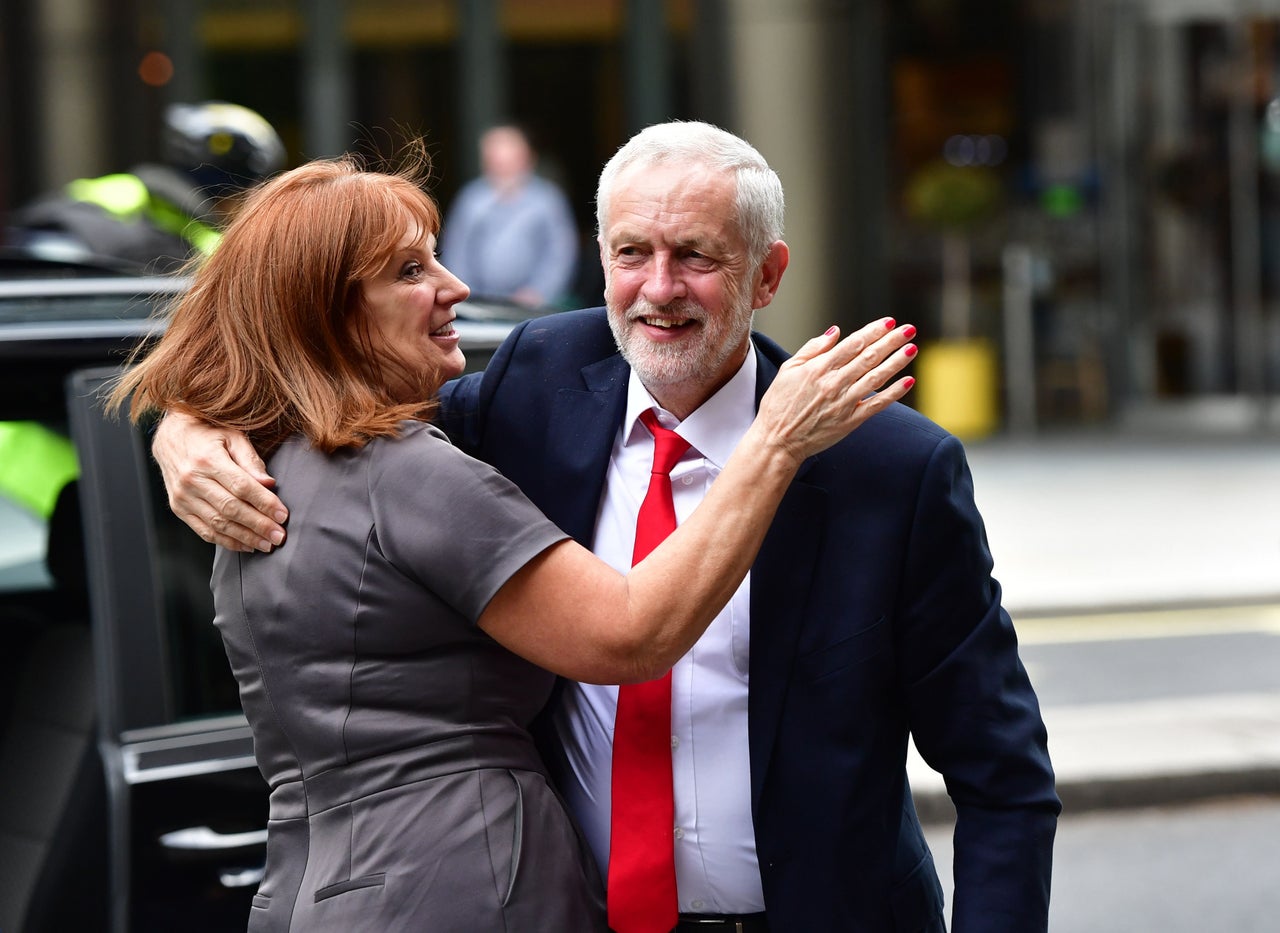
(873, 617)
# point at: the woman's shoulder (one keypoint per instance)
(415, 440)
(419, 449)
(421, 466)
(421, 432)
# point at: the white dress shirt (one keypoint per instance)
(715, 852)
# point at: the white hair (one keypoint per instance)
(758, 191)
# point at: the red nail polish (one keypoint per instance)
(909, 331)
(909, 382)
(890, 323)
(830, 330)
(910, 349)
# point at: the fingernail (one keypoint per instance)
(280, 515)
(830, 330)
(909, 382)
(910, 349)
(264, 546)
(890, 323)
(277, 537)
(909, 331)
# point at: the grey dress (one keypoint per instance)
(406, 793)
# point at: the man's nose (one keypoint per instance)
(664, 282)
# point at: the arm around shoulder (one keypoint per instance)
(217, 484)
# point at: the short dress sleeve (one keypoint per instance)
(452, 522)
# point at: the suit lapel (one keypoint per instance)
(581, 429)
(780, 584)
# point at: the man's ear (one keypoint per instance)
(770, 275)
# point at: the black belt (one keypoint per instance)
(722, 923)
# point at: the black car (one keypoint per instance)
(129, 798)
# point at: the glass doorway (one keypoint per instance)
(1189, 131)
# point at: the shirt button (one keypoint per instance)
(697, 905)
(679, 833)
(688, 481)
(675, 742)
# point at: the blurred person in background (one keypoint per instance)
(157, 215)
(510, 233)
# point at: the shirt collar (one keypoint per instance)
(714, 428)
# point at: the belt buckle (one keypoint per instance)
(717, 923)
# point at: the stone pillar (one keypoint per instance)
(72, 131)
(777, 51)
(328, 83)
(482, 79)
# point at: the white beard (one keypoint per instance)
(667, 364)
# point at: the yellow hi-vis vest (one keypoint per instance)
(127, 199)
(35, 463)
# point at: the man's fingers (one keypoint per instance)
(228, 522)
(237, 514)
(225, 541)
(218, 514)
(244, 488)
(244, 455)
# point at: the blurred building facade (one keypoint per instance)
(1087, 189)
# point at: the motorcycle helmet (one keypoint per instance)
(223, 146)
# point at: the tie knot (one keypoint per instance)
(668, 446)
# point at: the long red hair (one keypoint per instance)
(272, 339)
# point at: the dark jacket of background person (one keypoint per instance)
(873, 618)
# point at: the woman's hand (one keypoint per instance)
(828, 389)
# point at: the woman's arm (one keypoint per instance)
(569, 612)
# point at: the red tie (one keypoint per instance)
(642, 869)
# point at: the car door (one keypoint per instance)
(187, 807)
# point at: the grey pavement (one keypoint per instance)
(1107, 540)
